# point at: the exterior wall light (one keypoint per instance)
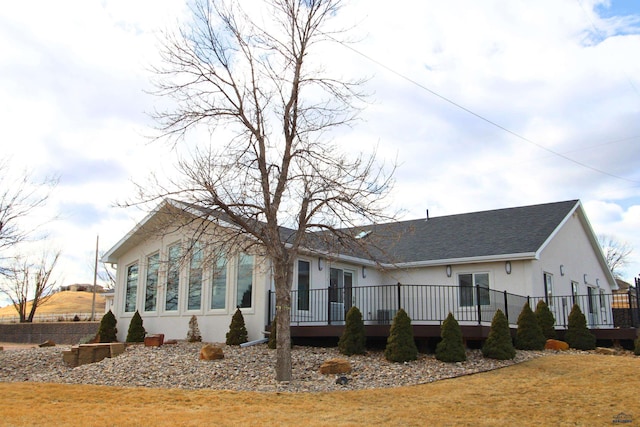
(320, 263)
(364, 272)
(507, 267)
(561, 269)
(448, 270)
(585, 279)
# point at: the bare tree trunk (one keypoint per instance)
(283, 278)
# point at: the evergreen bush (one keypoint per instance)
(578, 336)
(237, 330)
(107, 330)
(451, 348)
(353, 339)
(499, 344)
(636, 349)
(136, 331)
(546, 320)
(193, 335)
(400, 344)
(529, 335)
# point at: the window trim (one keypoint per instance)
(299, 293)
(547, 280)
(146, 282)
(126, 288)
(485, 296)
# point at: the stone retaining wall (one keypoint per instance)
(36, 333)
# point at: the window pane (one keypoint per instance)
(465, 281)
(303, 285)
(219, 286)
(151, 292)
(482, 282)
(245, 280)
(195, 279)
(336, 285)
(173, 279)
(548, 288)
(131, 289)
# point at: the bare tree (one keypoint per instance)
(246, 76)
(616, 253)
(28, 285)
(20, 197)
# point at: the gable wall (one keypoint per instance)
(572, 249)
(213, 324)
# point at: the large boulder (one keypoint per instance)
(211, 352)
(605, 350)
(335, 366)
(556, 345)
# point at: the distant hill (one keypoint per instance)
(65, 302)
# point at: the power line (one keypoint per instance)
(479, 116)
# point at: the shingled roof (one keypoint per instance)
(518, 232)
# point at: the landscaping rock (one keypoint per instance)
(47, 343)
(606, 351)
(211, 352)
(335, 366)
(171, 342)
(556, 345)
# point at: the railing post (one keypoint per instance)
(637, 303)
(630, 302)
(506, 307)
(399, 296)
(478, 304)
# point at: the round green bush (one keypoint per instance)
(353, 339)
(136, 332)
(451, 348)
(546, 320)
(237, 330)
(529, 335)
(499, 344)
(578, 336)
(401, 346)
(107, 330)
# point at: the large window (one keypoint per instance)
(151, 283)
(548, 289)
(194, 302)
(303, 284)
(219, 284)
(472, 285)
(173, 279)
(131, 292)
(245, 280)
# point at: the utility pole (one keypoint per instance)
(95, 283)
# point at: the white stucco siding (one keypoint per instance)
(570, 248)
(213, 323)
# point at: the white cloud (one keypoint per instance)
(73, 76)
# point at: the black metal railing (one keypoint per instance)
(430, 304)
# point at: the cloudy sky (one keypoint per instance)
(485, 105)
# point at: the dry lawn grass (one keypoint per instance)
(63, 302)
(587, 390)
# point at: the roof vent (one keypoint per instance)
(363, 234)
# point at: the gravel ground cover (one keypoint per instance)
(242, 369)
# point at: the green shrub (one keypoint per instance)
(636, 349)
(578, 336)
(529, 335)
(136, 331)
(107, 330)
(237, 330)
(400, 344)
(546, 320)
(353, 339)
(193, 335)
(499, 345)
(451, 348)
